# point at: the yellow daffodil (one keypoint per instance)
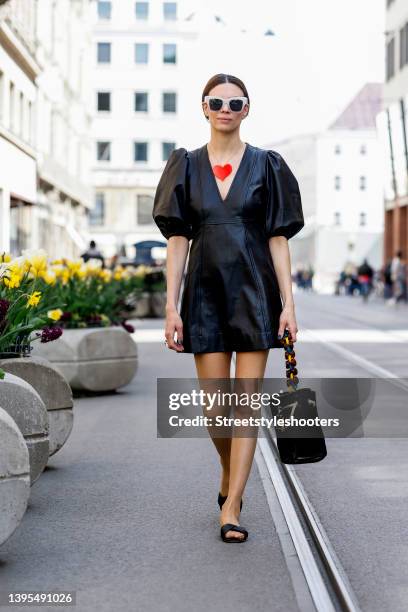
(16, 266)
(93, 265)
(74, 266)
(49, 276)
(65, 276)
(141, 271)
(5, 257)
(33, 299)
(55, 315)
(105, 275)
(35, 260)
(12, 281)
(58, 271)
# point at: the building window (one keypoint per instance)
(53, 132)
(390, 68)
(404, 45)
(363, 183)
(167, 148)
(12, 102)
(144, 209)
(401, 47)
(363, 218)
(169, 102)
(103, 151)
(142, 10)
(1, 95)
(363, 149)
(141, 53)
(141, 102)
(104, 10)
(19, 236)
(140, 151)
(337, 149)
(97, 214)
(170, 11)
(104, 101)
(104, 53)
(30, 122)
(21, 104)
(336, 218)
(337, 183)
(169, 53)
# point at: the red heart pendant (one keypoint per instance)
(222, 172)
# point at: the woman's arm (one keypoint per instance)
(177, 250)
(279, 249)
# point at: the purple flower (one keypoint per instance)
(4, 306)
(129, 328)
(93, 319)
(48, 334)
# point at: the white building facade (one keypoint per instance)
(44, 125)
(341, 181)
(18, 72)
(142, 105)
(393, 129)
(63, 121)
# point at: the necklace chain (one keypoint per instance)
(233, 157)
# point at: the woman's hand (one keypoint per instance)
(288, 320)
(174, 323)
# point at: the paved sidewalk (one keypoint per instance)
(130, 521)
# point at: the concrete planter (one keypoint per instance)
(53, 389)
(142, 306)
(14, 475)
(150, 304)
(93, 359)
(158, 304)
(22, 402)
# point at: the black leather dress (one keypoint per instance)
(231, 299)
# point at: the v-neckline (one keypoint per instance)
(223, 200)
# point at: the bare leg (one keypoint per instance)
(250, 365)
(217, 365)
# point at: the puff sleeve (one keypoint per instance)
(170, 206)
(284, 214)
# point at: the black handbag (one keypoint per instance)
(301, 404)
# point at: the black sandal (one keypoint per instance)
(222, 498)
(231, 527)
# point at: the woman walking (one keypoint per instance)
(239, 205)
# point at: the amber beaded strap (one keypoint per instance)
(292, 380)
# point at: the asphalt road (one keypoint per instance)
(130, 521)
(360, 490)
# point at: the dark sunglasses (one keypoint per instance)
(234, 104)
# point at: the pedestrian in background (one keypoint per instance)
(398, 277)
(93, 252)
(365, 274)
(387, 280)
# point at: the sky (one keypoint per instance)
(301, 79)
